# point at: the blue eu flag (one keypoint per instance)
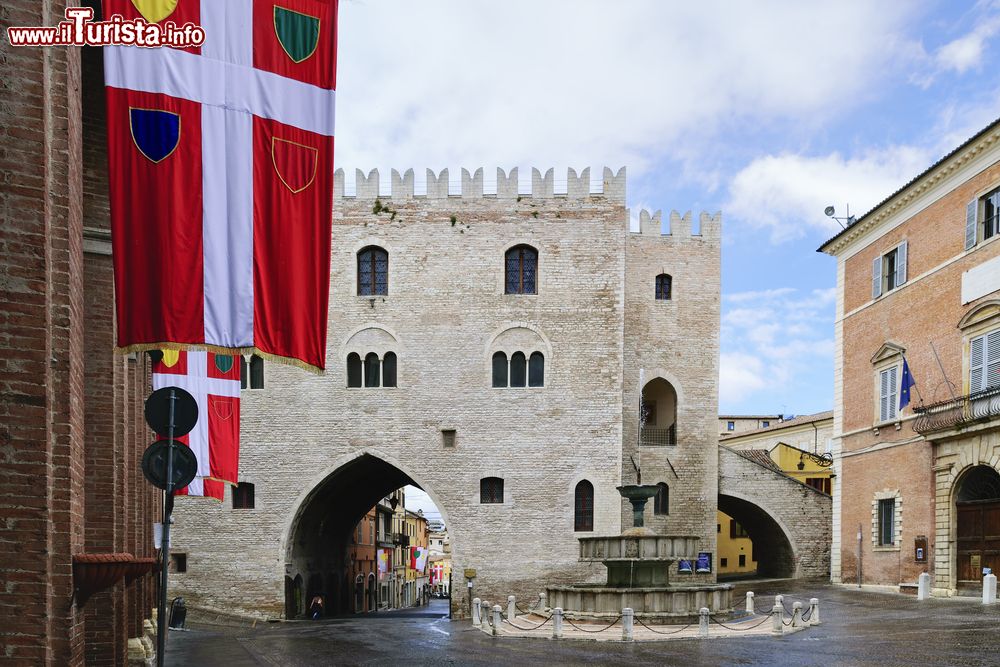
(904, 386)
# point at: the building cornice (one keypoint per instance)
(909, 193)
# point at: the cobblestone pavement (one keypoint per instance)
(858, 628)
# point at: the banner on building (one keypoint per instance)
(204, 487)
(221, 178)
(214, 382)
(418, 558)
(383, 563)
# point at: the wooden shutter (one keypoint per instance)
(970, 223)
(877, 277)
(976, 359)
(887, 394)
(901, 264)
(992, 365)
(893, 388)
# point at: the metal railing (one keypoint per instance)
(402, 539)
(652, 436)
(957, 412)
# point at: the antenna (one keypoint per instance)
(830, 211)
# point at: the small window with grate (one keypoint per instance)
(663, 286)
(243, 496)
(373, 272)
(491, 490)
(448, 437)
(520, 270)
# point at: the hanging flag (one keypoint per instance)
(904, 386)
(214, 382)
(221, 178)
(418, 558)
(203, 486)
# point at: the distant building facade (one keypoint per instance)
(734, 424)
(918, 288)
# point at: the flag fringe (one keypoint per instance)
(217, 349)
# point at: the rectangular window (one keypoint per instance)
(743, 560)
(723, 562)
(887, 522)
(179, 561)
(982, 218)
(819, 483)
(736, 530)
(984, 362)
(889, 270)
(730, 426)
(887, 398)
(448, 438)
(765, 424)
(491, 490)
(243, 496)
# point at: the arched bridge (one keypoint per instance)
(788, 522)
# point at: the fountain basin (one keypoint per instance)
(638, 547)
(654, 603)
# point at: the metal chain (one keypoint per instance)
(639, 621)
(586, 630)
(751, 627)
(528, 629)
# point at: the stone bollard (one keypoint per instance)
(703, 622)
(496, 619)
(776, 613)
(557, 623)
(813, 611)
(511, 608)
(749, 602)
(990, 589)
(779, 599)
(627, 616)
(797, 615)
(477, 617)
(542, 602)
(923, 586)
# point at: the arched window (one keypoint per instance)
(661, 502)
(663, 284)
(518, 369)
(491, 490)
(499, 369)
(520, 270)
(583, 506)
(389, 369)
(536, 370)
(353, 370)
(373, 271)
(371, 370)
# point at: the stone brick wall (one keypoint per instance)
(784, 512)
(444, 314)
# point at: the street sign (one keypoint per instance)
(158, 411)
(154, 464)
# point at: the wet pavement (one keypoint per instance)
(858, 628)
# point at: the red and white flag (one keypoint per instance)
(221, 178)
(214, 381)
(203, 486)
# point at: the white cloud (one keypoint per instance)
(966, 52)
(776, 348)
(452, 83)
(786, 194)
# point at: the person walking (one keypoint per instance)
(316, 607)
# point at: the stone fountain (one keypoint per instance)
(639, 566)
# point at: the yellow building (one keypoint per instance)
(416, 538)
(735, 555)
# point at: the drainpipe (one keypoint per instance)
(859, 555)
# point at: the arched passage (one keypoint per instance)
(772, 548)
(333, 542)
(977, 511)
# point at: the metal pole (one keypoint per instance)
(168, 508)
(859, 555)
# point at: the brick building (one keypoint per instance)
(917, 277)
(486, 348)
(71, 426)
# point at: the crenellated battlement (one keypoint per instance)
(710, 226)
(402, 186)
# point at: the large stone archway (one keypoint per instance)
(788, 522)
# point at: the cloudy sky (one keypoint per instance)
(767, 111)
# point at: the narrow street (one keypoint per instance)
(858, 628)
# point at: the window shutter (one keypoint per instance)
(976, 350)
(877, 277)
(992, 371)
(891, 398)
(970, 223)
(901, 264)
(883, 410)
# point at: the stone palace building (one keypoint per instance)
(487, 348)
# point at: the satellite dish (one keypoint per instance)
(829, 210)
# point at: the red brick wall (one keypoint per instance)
(914, 316)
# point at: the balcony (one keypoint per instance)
(401, 539)
(958, 412)
(652, 436)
